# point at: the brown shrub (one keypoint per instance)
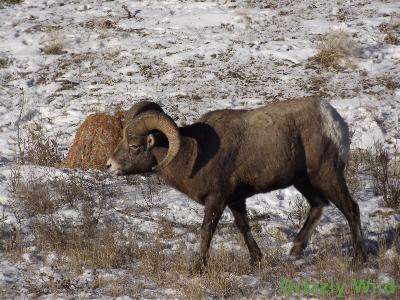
(298, 211)
(5, 2)
(54, 47)
(391, 31)
(336, 50)
(87, 239)
(39, 148)
(94, 142)
(385, 171)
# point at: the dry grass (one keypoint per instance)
(175, 271)
(382, 167)
(298, 211)
(334, 264)
(99, 24)
(38, 147)
(385, 171)
(54, 47)
(355, 165)
(317, 84)
(390, 82)
(7, 2)
(149, 186)
(166, 229)
(5, 61)
(92, 241)
(336, 50)
(391, 31)
(86, 240)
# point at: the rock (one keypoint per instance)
(94, 142)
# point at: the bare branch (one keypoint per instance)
(128, 11)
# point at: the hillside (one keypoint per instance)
(72, 234)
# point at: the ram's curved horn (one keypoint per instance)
(141, 107)
(158, 121)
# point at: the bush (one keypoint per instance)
(5, 2)
(385, 171)
(298, 213)
(336, 50)
(54, 47)
(391, 31)
(87, 238)
(39, 148)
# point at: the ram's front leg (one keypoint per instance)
(213, 210)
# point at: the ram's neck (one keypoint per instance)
(178, 173)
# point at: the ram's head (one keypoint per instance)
(146, 127)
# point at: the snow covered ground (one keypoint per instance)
(191, 57)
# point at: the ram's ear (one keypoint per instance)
(151, 141)
(194, 152)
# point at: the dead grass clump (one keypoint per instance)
(219, 279)
(335, 264)
(275, 266)
(224, 270)
(54, 47)
(317, 84)
(39, 148)
(108, 249)
(385, 171)
(33, 198)
(153, 262)
(166, 229)
(85, 238)
(390, 82)
(122, 285)
(175, 270)
(99, 24)
(8, 2)
(355, 165)
(193, 290)
(220, 284)
(5, 61)
(391, 31)
(84, 245)
(11, 242)
(298, 211)
(336, 50)
(149, 185)
(331, 260)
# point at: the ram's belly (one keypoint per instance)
(273, 162)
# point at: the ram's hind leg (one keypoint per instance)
(317, 202)
(335, 189)
(238, 209)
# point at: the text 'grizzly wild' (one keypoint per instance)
(229, 155)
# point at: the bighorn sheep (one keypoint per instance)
(229, 155)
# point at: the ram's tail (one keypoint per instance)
(336, 129)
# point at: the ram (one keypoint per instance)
(230, 155)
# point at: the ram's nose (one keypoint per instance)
(108, 164)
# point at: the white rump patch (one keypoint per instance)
(336, 129)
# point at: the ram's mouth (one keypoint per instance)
(117, 172)
(114, 168)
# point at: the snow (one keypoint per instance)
(191, 57)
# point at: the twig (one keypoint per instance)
(128, 11)
(66, 81)
(20, 154)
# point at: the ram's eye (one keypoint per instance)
(134, 147)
